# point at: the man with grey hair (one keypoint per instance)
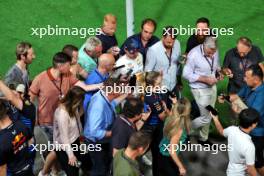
(202, 70)
(89, 53)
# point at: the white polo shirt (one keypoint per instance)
(242, 152)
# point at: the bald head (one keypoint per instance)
(106, 61)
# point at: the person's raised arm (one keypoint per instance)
(88, 87)
(218, 125)
(144, 118)
(10, 96)
(82, 72)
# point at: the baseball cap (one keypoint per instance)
(20, 88)
(131, 46)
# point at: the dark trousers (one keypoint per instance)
(167, 167)
(63, 160)
(156, 133)
(28, 172)
(259, 150)
(101, 160)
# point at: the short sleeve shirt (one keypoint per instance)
(124, 166)
(48, 91)
(121, 132)
(241, 153)
(85, 61)
(154, 101)
(14, 152)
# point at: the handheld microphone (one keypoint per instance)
(116, 68)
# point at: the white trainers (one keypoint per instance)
(60, 173)
(41, 174)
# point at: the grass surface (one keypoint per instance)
(18, 17)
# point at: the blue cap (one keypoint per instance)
(131, 46)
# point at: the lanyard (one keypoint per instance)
(244, 64)
(127, 122)
(169, 57)
(211, 65)
(57, 87)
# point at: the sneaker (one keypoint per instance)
(60, 173)
(146, 160)
(41, 174)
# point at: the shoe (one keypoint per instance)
(41, 174)
(60, 173)
(146, 160)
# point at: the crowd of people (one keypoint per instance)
(75, 103)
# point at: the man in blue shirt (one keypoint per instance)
(106, 63)
(144, 39)
(253, 95)
(99, 118)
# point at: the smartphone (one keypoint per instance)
(226, 97)
(212, 110)
(172, 94)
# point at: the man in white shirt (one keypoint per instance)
(200, 71)
(163, 56)
(242, 150)
(132, 60)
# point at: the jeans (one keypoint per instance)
(48, 130)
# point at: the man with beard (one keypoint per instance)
(144, 39)
(163, 56)
(237, 60)
(18, 73)
(202, 27)
(252, 95)
(49, 87)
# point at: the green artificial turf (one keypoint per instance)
(18, 17)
